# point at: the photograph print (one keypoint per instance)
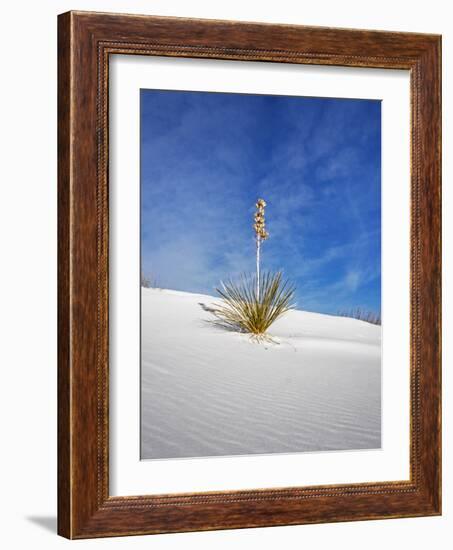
(260, 274)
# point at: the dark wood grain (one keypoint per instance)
(86, 40)
(64, 367)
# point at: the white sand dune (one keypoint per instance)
(210, 392)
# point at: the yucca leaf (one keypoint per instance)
(241, 310)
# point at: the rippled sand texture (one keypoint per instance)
(210, 392)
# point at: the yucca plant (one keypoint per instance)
(362, 315)
(241, 308)
(255, 302)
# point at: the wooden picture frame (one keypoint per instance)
(85, 41)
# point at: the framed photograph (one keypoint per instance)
(249, 275)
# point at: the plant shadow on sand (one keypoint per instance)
(218, 323)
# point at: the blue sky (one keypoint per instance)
(207, 157)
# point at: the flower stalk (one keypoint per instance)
(260, 235)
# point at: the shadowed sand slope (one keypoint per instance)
(210, 392)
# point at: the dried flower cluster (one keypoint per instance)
(260, 223)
